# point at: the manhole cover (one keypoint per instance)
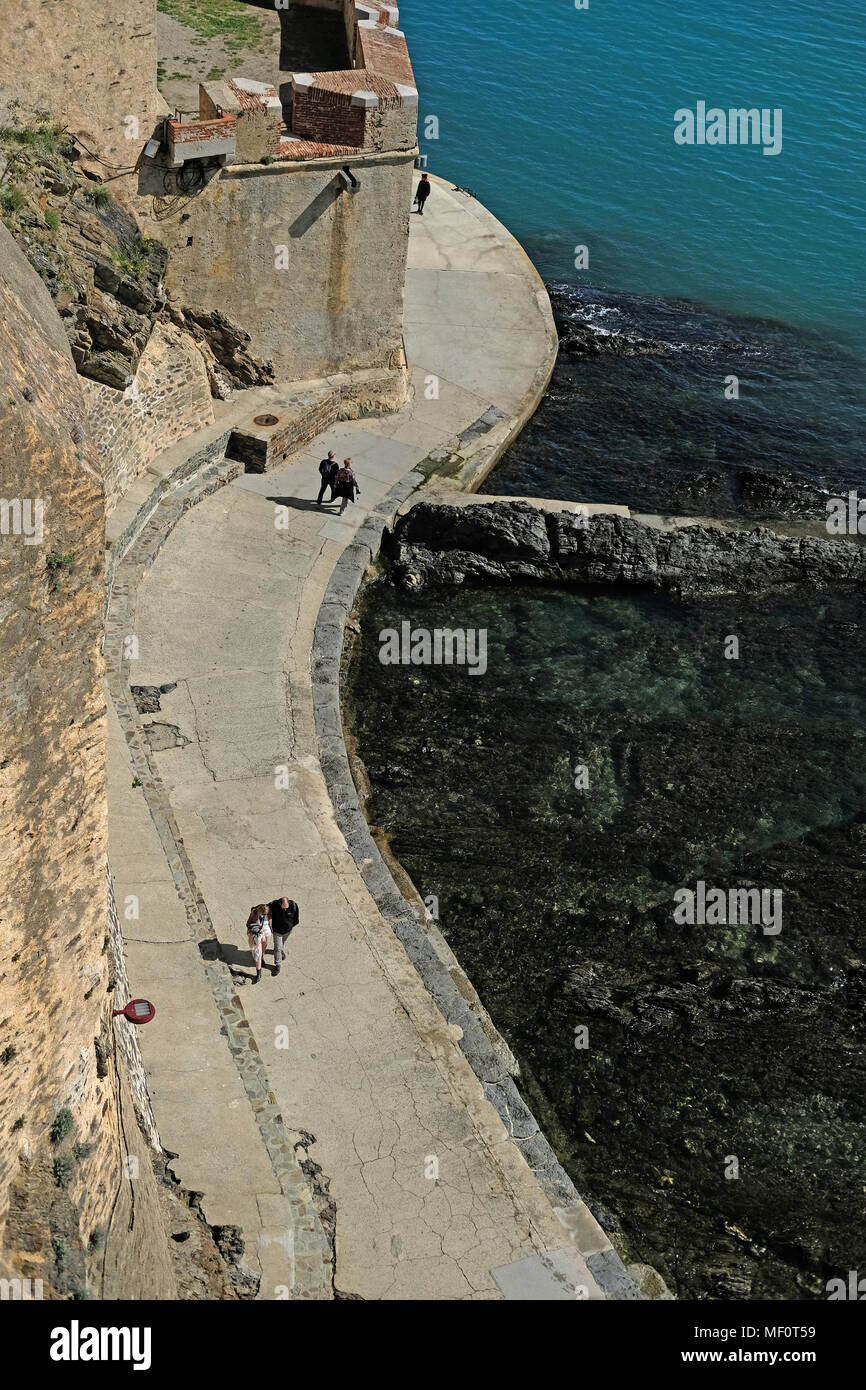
(266, 420)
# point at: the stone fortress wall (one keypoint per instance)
(310, 260)
(65, 1133)
(168, 398)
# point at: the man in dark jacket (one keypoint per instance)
(328, 470)
(284, 918)
(423, 193)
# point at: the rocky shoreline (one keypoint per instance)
(438, 545)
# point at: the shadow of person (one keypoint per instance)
(303, 504)
(239, 959)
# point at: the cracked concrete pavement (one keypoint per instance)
(432, 1200)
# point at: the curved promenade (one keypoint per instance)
(330, 1114)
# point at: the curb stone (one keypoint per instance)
(419, 938)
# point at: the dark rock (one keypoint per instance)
(227, 342)
(767, 491)
(506, 541)
(230, 1242)
(146, 698)
(606, 1219)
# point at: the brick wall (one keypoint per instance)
(169, 400)
(327, 116)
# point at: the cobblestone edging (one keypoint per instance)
(132, 555)
(489, 1056)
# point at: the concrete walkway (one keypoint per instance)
(407, 1164)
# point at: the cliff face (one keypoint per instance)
(53, 971)
(65, 1132)
(92, 65)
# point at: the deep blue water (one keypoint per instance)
(562, 122)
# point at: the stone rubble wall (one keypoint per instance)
(168, 398)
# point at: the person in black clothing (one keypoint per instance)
(328, 470)
(284, 917)
(346, 485)
(423, 193)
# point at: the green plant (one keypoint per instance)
(60, 1246)
(61, 1125)
(8, 1053)
(56, 561)
(52, 219)
(136, 781)
(267, 159)
(97, 1239)
(214, 74)
(97, 195)
(11, 199)
(134, 261)
(80, 1151)
(45, 138)
(19, 1123)
(64, 1167)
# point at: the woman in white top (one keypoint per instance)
(259, 935)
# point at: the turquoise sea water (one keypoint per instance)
(562, 121)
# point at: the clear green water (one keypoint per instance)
(705, 1042)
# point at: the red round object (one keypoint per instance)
(137, 1011)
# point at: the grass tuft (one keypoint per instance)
(239, 27)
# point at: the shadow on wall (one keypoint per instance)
(312, 39)
(317, 208)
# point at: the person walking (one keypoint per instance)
(423, 193)
(258, 934)
(284, 919)
(328, 470)
(346, 486)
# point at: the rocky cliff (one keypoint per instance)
(93, 63)
(80, 1206)
(152, 367)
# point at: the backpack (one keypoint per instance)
(325, 467)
